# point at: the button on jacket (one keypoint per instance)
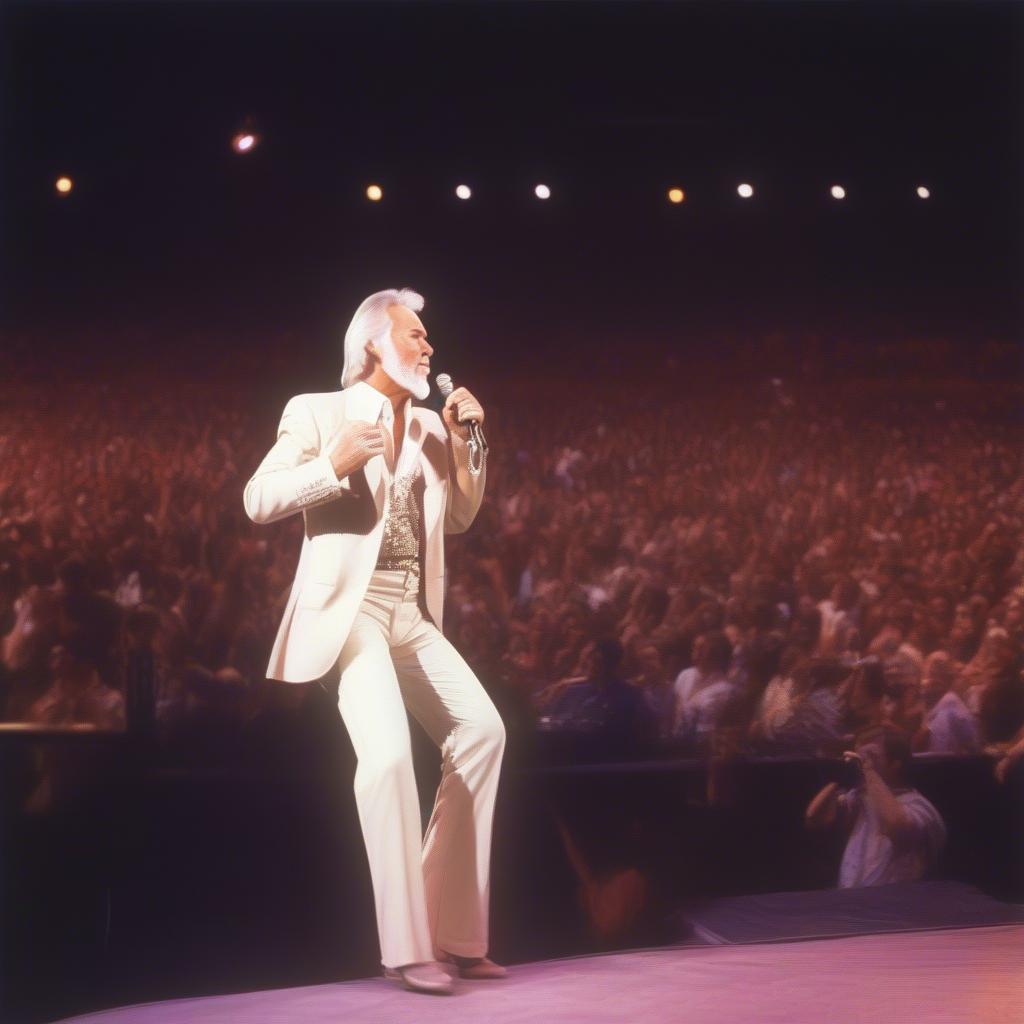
(344, 519)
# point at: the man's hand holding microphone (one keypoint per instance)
(460, 409)
(463, 418)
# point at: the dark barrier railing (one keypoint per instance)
(125, 880)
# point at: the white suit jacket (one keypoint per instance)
(344, 519)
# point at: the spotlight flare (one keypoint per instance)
(244, 142)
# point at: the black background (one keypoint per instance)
(609, 103)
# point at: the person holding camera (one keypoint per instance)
(895, 833)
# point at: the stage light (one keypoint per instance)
(676, 195)
(542, 192)
(463, 191)
(244, 142)
(374, 193)
(923, 192)
(745, 190)
(63, 185)
(837, 192)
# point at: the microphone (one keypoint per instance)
(477, 441)
(446, 387)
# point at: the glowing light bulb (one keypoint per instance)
(745, 190)
(542, 192)
(838, 192)
(923, 191)
(244, 142)
(374, 193)
(676, 195)
(63, 185)
(463, 191)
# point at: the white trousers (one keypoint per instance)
(431, 891)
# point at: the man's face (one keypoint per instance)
(935, 682)
(699, 646)
(650, 663)
(406, 359)
(58, 659)
(963, 622)
(899, 674)
(1000, 652)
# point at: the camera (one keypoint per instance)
(851, 773)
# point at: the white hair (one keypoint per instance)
(372, 323)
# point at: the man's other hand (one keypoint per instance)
(358, 442)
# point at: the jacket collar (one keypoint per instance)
(365, 402)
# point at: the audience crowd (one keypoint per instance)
(752, 566)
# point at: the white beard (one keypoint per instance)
(404, 376)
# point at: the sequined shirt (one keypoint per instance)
(400, 546)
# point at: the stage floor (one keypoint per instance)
(969, 975)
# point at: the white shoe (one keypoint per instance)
(426, 977)
(475, 968)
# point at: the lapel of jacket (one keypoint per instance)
(363, 402)
(416, 433)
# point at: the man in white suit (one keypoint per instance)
(379, 483)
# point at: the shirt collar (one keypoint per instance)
(367, 403)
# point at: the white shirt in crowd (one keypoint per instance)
(871, 859)
(837, 626)
(776, 707)
(952, 729)
(699, 703)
